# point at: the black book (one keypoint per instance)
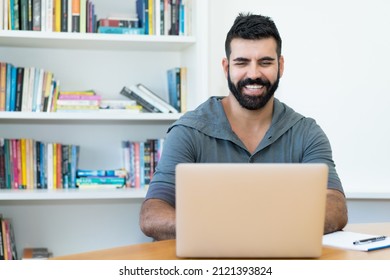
(132, 95)
(19, 88)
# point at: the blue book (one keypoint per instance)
(13, 89)
(173, 76)
(8, 87)
(120, 30)
(142, 14)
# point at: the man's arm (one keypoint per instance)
(336, 216)
(158, 219)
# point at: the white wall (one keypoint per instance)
(336, 58)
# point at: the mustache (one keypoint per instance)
(249, 81)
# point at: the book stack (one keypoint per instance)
(140, 159)
(31, 164)
(48, 15)
(36, 253)
(7, 240)
(119, 106)
(70, 101)
(27, 89)
(165, 17)
(150, 101)
(177, 88)
(119, 26)
(104, 179)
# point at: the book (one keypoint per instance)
(157, 98)
(75, 15)
(141, 101)
(101, 180)
(346, 240)
(2, 234)
(36, 13)
(3, 86)
(110, 22)
(100, 186)
(173, 76)
(122, 173)
(150, 97)
(38, 253)
(117, 104)
(120, 30)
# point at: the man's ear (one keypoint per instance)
(281, 66)
(225, 66)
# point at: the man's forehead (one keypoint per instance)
(259, 47)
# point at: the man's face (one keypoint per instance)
(253, 71)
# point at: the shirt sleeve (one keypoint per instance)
(178, 147)
(317, 149)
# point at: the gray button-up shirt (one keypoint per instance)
(204, 135)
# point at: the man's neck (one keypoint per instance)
(249, 125)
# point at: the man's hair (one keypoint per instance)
(253, 27)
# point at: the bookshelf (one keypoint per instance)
(74, 221)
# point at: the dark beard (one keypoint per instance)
(253, 102)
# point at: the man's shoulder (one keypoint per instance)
(208, 114)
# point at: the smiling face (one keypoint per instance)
(253, 71)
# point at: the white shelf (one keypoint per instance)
(94, 41)
(356, 195)
(71, 194)
(30, 116)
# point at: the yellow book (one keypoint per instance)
(183, 89)
(86, 92)
(151, 16)
(57, 15)
(24, 162)
(54, 165)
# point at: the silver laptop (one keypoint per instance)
(229, 210)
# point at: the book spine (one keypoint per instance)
(157, 99)
(36, 15)
(149, 98)
(64, 15)
(19, 89)
(2, 256)
(132, 95)
(3, 80)
(75, 15)
(2, 164)
(65, 166)
(100, 180)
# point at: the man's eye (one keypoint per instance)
(265, 63)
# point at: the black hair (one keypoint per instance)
(253, 27)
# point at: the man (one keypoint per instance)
(249, 125)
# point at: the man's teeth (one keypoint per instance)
(253, 86)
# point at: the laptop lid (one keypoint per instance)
(229, 210)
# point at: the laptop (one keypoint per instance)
(243, 210)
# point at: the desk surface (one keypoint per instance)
(166, 250)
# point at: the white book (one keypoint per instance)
(162, 105)
(30, 93)
(77, 102)
(26, 79)
(38, 98)
(70, 15)
(157, 17)
(2, 14)
(49, 15)
(43, 15)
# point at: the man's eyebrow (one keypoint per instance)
(267, 58)
(243, 59)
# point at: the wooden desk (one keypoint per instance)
(166, 250)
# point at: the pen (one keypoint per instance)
(369, 240)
